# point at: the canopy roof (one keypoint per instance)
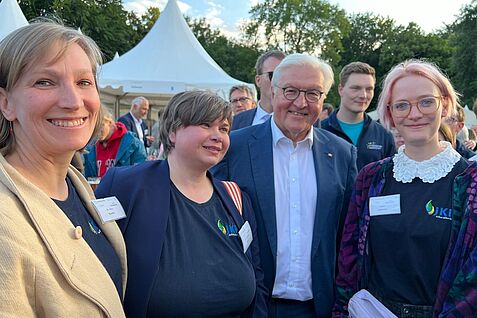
(11, 17)
(168, 60)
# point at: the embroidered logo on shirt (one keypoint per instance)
(373, 146)
(438, 212)
(227, 229)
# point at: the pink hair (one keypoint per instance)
(414, 67)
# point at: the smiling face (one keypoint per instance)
(54, 105)
(295, 118)
(417, 129)
(201, 146)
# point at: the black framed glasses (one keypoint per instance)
(270, 75)
(426, 105)
(241, 99)
(292, 93)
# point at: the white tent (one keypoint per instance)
(168, 60)
(11, 17)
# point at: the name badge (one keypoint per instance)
(109, 209)
(385, 205)
(246, 236)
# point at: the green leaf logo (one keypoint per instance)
(430, 208)
(221, 227)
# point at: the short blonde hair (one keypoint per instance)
(415, 67)
(24, 47)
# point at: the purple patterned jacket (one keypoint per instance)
(457, 288)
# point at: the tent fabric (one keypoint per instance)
(168, 60)
(11, 17)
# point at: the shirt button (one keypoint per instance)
(295, 232)
(78, 232)
(293, 179)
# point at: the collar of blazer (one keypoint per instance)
(75, 259)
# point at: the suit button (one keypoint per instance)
(78, 232)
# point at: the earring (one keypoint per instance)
(10, 129)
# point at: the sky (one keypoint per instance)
(228, 15)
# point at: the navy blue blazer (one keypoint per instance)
(249, 162)
(144, 193)
(128, 121)
(244, 119)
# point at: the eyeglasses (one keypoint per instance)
(241, 99)
(292, 93)
(270, 75)
(426, 105)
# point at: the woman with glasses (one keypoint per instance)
(410, 234)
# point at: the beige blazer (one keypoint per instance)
(45, 269)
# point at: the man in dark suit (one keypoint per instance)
(264, 68)
(133, 120)
(299, 179)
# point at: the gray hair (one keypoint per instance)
(300, 59)
(138, 101)
(242, 88)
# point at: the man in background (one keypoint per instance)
(241, 98)
(350, 121)
(264, 67)
(134, 122)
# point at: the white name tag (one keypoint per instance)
(109, 209)
(385, 205)
(246, 235)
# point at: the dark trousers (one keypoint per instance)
(287, 308)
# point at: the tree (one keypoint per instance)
(104, 20)
(141, 25)
(236, 59)
(464, 57)
(311, 26)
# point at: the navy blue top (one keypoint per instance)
(373, 144)
(408, 249)
(75, 211)
(203, 271)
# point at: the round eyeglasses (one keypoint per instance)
(426, 105)
(292, 93)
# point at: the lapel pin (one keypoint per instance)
(329, 154)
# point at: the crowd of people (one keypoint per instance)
(278, 207)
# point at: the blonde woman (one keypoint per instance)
(409, 233)
(56, 258)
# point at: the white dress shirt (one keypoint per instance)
(138, 123)
(295, 206)
(261, 115)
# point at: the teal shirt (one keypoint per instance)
(352, 130)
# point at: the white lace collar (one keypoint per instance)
(405, 169)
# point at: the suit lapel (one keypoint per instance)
(261, 160)
(323, 158)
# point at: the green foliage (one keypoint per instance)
(106, 21)
(311, 26)
(463, 35)
(236, 59)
